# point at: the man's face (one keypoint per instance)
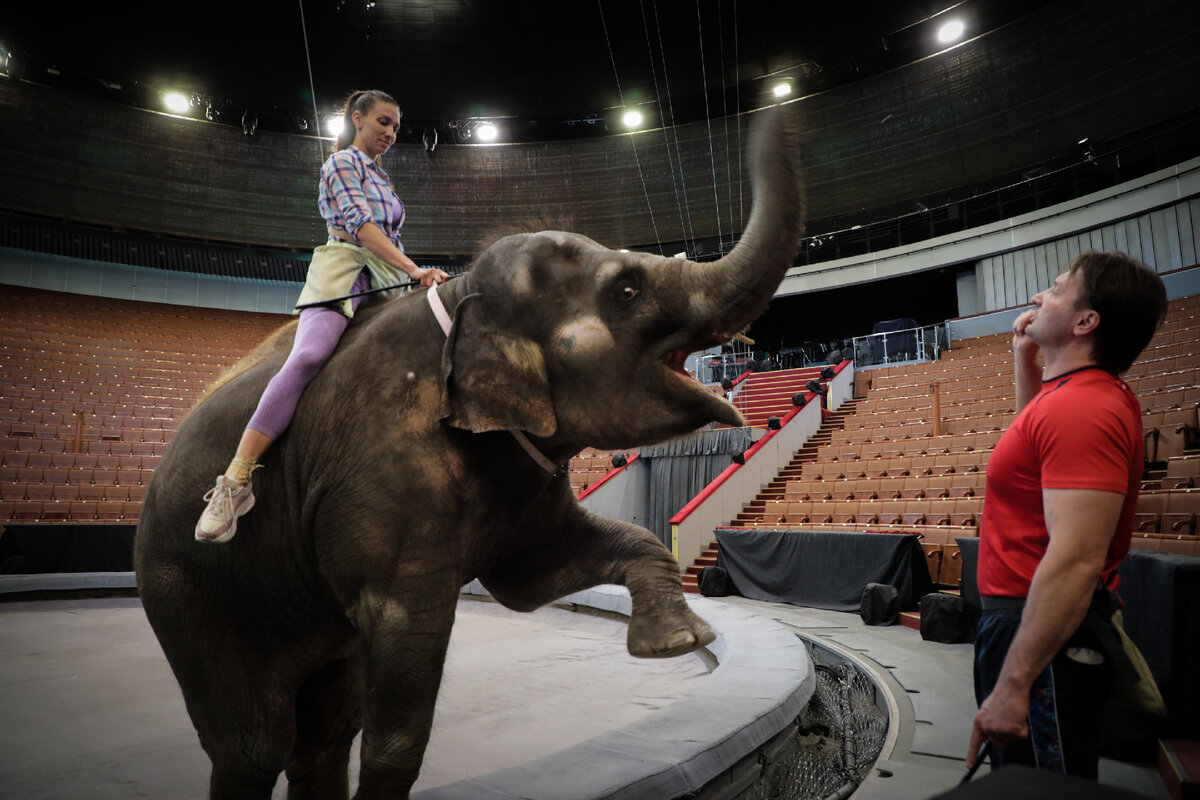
(1056, 312)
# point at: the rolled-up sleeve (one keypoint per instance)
(343, 185)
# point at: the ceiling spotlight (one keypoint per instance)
(782, 89)
(176, 103)
(334, 125)
(487, 132)
(952, 31)
(632, 119)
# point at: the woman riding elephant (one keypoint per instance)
(364, 216)
(427, 454)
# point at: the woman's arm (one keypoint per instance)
(375, 240)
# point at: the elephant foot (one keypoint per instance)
(665, 634)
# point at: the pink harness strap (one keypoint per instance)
(443, 318)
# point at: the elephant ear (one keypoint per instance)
(492, 379)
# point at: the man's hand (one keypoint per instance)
(1024, 347)
(1025, 350)
(1002, 719)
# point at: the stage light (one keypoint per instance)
(334, 125)
(952, 31)
(632, 119)
(782, 89)
(176, 103)
(487, 132)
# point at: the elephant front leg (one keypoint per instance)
(406, 647)
(662, 624)
(589, 550)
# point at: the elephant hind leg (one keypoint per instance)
(328, 716)
(244, 714)
(235, 779)
(248, 743)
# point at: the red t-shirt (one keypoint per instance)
(1082, 431)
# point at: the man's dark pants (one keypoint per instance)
(1065, 704)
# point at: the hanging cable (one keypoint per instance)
(691, 232)
(683, 227)
(308, 60)
(737, 79)
(708, 122)
(725, 126)
(632, 136)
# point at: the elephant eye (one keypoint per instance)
(625, 290)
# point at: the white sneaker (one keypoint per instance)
(226, 502)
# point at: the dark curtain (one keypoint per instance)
(823, 569)
(681, 467)
(37, 549)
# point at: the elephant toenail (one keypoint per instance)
(681, 638)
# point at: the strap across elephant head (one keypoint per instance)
(510, 409)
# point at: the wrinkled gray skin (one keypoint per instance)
(398, 483)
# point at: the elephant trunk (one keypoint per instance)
(734, 290)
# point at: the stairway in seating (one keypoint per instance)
(752, 514)
(766, 394)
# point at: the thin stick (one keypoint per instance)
(984, 751)
(405, 285)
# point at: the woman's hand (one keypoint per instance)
(428, 277)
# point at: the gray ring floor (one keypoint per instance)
(530, 704)
(90, 709)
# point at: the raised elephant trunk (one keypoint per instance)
(735, 289)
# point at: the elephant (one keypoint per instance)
(419, 460)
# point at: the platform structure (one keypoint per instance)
(91, 709)
(542, 705)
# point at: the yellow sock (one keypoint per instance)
(240, 469)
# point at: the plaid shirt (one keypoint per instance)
(355, 191)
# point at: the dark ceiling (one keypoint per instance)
(544, 69)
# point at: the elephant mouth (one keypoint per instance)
(675, 361)
(686, 391)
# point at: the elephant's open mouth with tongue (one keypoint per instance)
(675, 361)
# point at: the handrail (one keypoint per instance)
(606, 477)
(716, 482)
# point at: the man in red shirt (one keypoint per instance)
(1058, 513)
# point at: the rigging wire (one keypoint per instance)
(737, 80)
(691, 231)
(708, 122)
(725, 124)
(308, 60)
(679, 206)
(633, 136)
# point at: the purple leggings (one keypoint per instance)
(317, 335)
